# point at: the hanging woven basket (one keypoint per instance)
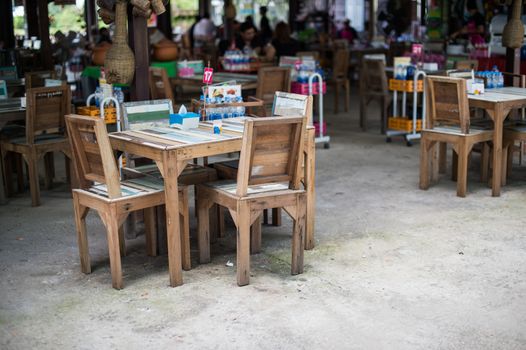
(513, 33)
(119, 64)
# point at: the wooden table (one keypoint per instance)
(247, 81)
(10, 110)
(172, 149)
(498, 103)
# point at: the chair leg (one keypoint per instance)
(243, 243)
(255, 236)
(506, 150)
(203, 228)
(442, 158)
(112, 228)
(7, 163)
(213, 224)
(347, 95)
(434, 161)
(49, 169)
(265, 217)
(32, 163)
(298, 236)
(184, 227)
(221, 212)
(484, 162)
(336, 97)
(19, 171)
(424, 164)
(383, 117)
(462, 170)
(150, 231)
(363, 116)
(82, 237)
(454, 165)
(276, 216)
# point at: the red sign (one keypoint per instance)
(417, 49)
(208, 76)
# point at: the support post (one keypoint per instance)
(139, 43)
(164, 22)
(30, 8)
(7, 32)
(90, 17)
(43, 25)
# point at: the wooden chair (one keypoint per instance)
(448, 122)
(373, 85)
(340, 78)
(514, 131)
(228, 169)
(157, 112)
(45, 134)
(102, 190)
(38, 79)
(467, 65)
(268, 177)
(270, 80)
(160, 87)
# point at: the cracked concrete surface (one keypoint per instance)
(394, 268)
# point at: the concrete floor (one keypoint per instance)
(394, 268)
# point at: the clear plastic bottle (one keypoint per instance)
(489, 79)
(118, 94)
(240, 109)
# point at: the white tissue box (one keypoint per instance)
(474, 87)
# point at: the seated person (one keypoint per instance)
(348, 33)
(474, 27)
(283, 43)
(248, 42)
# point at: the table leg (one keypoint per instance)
(310, 177)
(3, 198)
(170, 173)
(498, 116)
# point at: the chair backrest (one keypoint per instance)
(142, 114)
(271, 152)
(467, 65)
(373, 77)
(270, 80)
(448, 102)
(45, 110)
(340, 66)
(160, 87)
(92, 153)
(287, 104)
(38, 79)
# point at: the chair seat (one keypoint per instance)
(454, 130)
(519, 126)
(230, 187)
(40, 139)
(132, 187)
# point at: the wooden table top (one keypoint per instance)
(505, 94)
(11, 110)
(168, 138)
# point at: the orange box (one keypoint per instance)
(403, 124)
(405, 85)
(110, 113)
